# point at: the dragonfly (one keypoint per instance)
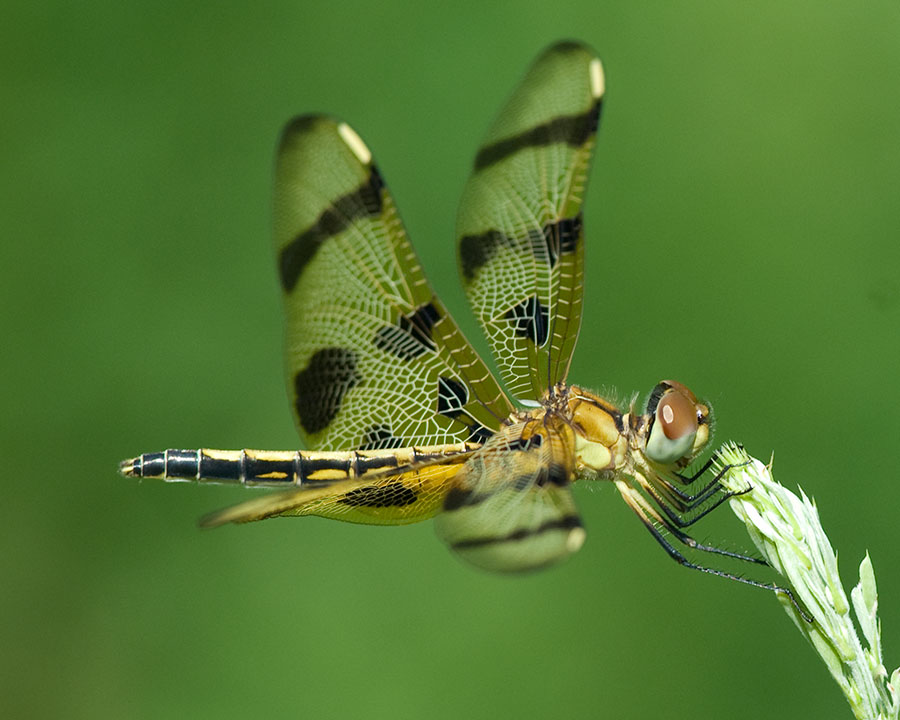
(403, 419)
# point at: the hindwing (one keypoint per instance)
(392, 498)
(511, 507)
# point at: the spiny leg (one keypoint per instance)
(647, 514)
(685, 501)
(706, 491)
(687, 480)
(663, 500)
(706, 466)
(670, 526)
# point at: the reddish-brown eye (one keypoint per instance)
(677, 413)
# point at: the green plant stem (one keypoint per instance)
(787, 531)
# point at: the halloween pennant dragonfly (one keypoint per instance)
(377, 367)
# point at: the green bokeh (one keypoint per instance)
(743, 231)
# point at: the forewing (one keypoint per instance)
(397, 498)
(373, 358)
(511, 507)
(519, 227)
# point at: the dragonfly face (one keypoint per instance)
(403, 419)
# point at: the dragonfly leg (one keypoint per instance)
(686, 502)
(673, 523)
(650, 517)
(688, 479)
(657, 488)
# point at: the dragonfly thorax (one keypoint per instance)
(601, 431)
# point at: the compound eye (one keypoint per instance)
(679, 424)
(678, 415)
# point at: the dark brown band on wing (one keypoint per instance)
(558, 238)
(365, 201)
(411, 335)
(530, 320)
(320, 387)
(573, 130)
(393, 495)
(567, 522)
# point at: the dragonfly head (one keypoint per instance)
(677, 425)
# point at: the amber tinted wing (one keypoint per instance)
(373, 358)
(520, 224)
(395, 498)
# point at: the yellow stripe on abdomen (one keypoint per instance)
(281, 468)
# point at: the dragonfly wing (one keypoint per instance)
(373, 358)
(511, 508)
(396, 498)
(519, 228)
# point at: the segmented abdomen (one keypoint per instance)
(280, 468)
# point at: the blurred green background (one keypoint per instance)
(742, 237)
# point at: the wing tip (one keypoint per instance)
(213, 520)
(355, 143)
(262, 508)
(244, 512)
(309, 124)
(568, 46)
(598, 79)
(575, 539)
(574, 48)
(303, 125)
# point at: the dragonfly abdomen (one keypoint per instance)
(279, 468)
